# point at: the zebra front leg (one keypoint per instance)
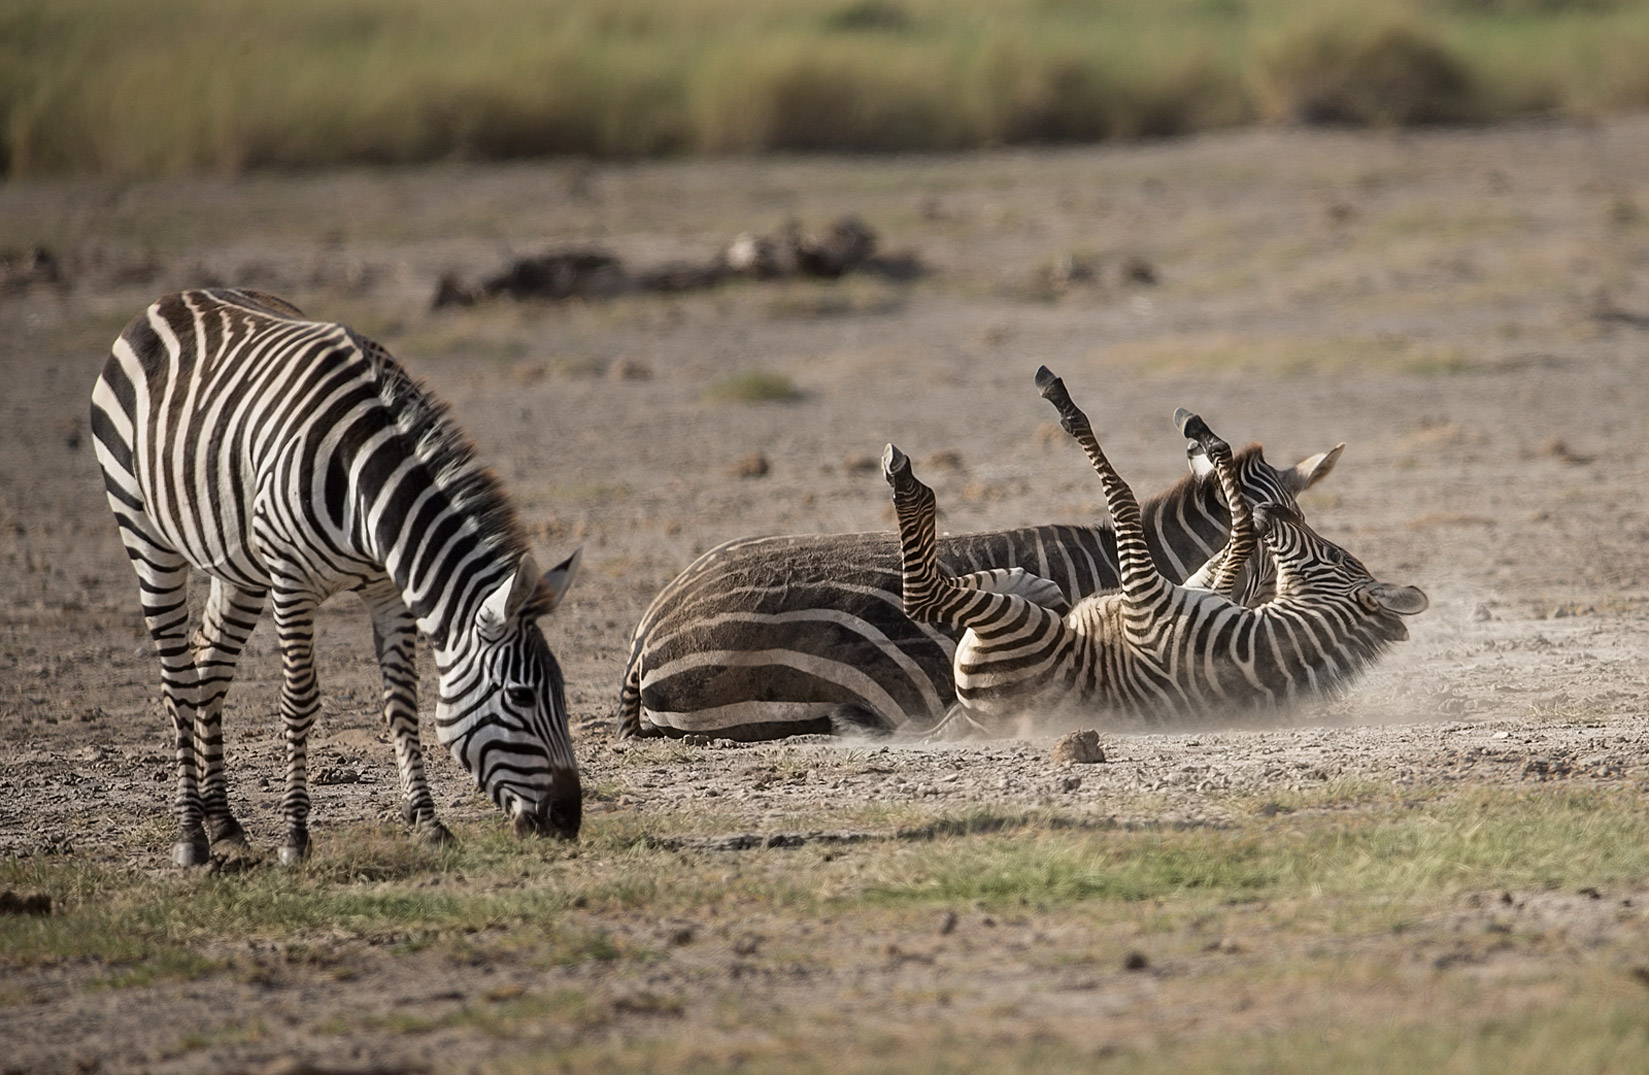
(1226, 568)
(300, 700)
(230, 615)
(394, 634)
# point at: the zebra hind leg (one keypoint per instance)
(914, 506)
(300, 701)
(230, 615)
(163, 584)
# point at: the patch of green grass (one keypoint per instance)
(753, 386)
(1539, 840)
(1600, 1030)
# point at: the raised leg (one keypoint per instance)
(395, 634)
(230, 615)
(979, 602)
(1227, 568)
(1013, 641)
(916, 509)
(1141, 581)
(300, 700)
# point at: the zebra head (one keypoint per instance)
(1314, 570)
(503, 709)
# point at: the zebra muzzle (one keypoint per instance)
(560, 815)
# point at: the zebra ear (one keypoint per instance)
(505, 601)
(1403, 600)
(557, 581)
(1308, 472)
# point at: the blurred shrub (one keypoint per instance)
(868, 15)
(174, 86)
(754, 386)
(1376, 74)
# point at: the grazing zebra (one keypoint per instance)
(765, 637)
(1154, 650)
(290, 460)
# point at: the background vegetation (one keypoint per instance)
(177, 86)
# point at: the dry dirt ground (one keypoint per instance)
(1468, 310)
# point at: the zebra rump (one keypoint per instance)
(767, 637)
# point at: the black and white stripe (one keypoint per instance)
(1155, 650)
(290, 460)
(765, 637)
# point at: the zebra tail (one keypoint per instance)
(629, 698)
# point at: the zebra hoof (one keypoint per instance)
(292, 854)
(228, 831)
(895, 464)
(434, 835)
(1190, 425)
(189, 853)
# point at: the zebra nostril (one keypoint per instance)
(560, 814)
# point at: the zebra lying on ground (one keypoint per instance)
(290, 460)
(1155, 650)
(766, 637)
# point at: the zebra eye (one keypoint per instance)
(521, 697)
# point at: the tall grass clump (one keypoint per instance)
(176, 86)
(1365, 70)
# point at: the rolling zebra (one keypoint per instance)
(290, 460)
(765, 637)
(1154, 650)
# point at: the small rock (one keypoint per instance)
(1135, 961)
(1136, 270)
(1080, 748)
(629, 369)
(449, 292)
(754, 465)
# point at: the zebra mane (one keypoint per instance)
(443, 447)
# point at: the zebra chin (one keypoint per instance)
(559, 814)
